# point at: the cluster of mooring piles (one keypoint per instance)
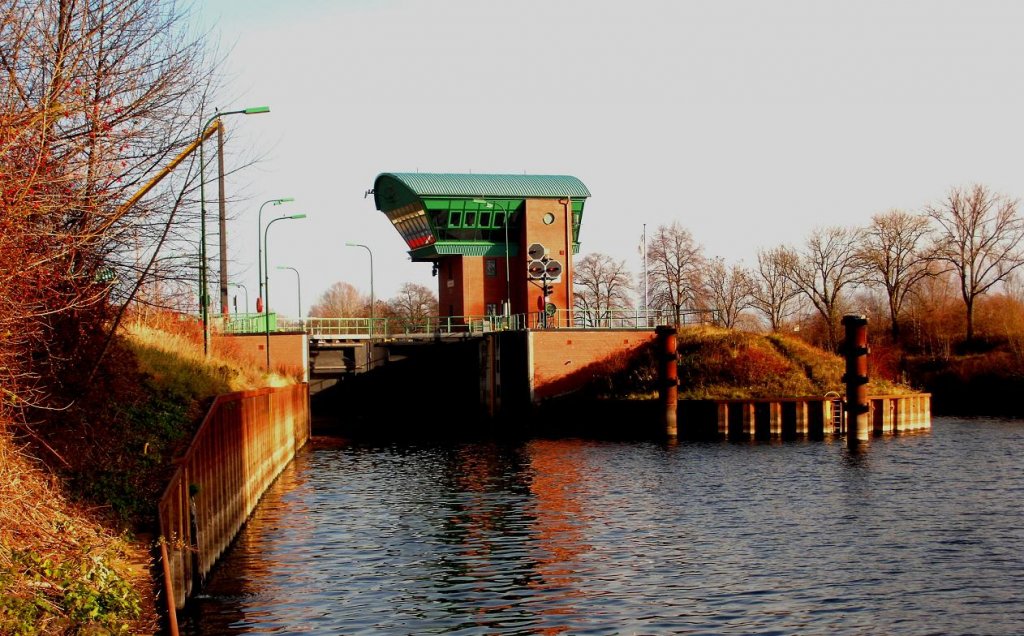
(856, 416)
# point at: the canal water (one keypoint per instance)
(919, 534)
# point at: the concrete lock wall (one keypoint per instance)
(518, 369)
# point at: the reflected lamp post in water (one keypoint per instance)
(266, 279)
(372, 298)
(506, 309)
(298, 287)
(259, 248)
(204, 296)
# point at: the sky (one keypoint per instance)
(751, 123)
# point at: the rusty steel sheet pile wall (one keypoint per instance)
(243, 444)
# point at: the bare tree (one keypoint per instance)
(96, 96)
(932, 316)
(730, 290)
(828, 263)
(674, 262)
(981, 237)
(413, 304)
(118, 85)
(896, 253)
(773, 292)
(341, 300)
(602, 285)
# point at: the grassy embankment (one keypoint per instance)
(76, 536)
(717, 363)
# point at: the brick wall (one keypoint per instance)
(471, 288)
(564, 361)
(288, 351)
(556, 238)
(449, 287)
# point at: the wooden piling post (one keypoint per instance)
(668, 373)
(855, 350)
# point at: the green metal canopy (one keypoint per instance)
(533, 186)
(469, 214)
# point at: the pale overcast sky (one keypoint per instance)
(751, 123)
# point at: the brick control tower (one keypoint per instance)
(499, 244)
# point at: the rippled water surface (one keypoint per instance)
(918, 534)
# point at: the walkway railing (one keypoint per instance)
(246, 323)
(357, 328)
(624, 318)
(389, 327)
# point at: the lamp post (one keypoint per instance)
(204, 298)
(259, 248)
(298, 286)
(266, 280)
(246, 297)
(372, 300)
(508, 284)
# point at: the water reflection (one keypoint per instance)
(917, 534)
(557, 471)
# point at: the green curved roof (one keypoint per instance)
(486, 185)
(469, 214)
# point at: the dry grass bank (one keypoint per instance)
(719, 363)
(174, 358)
(76, 535)
(62, 570)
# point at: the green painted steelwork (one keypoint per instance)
(246, 323)
(466, 248)
(443, 214)
(466, 221)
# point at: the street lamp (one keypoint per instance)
(246, 297)
(508, 285)
(259, 248)
(266, 280)
(298, 286)
(372, 301)
(204, 298)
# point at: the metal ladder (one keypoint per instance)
(838, 413)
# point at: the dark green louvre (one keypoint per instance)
(440, 214)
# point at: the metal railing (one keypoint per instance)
(245, 323)
(390, 327)
(364, 328)
(625, 318)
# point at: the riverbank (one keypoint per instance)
(78, 494)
